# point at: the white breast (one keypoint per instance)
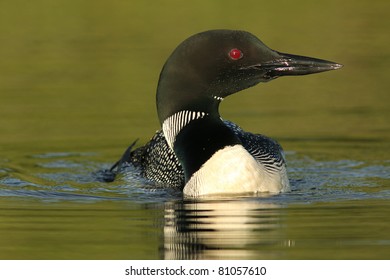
(234, 170)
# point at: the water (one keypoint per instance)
(336, 210)
(77, 86)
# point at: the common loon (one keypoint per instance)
(196, 150)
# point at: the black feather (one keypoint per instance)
(158, 163)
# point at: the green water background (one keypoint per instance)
(79, 77)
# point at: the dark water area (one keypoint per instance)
(77, 86)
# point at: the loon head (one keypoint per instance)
(207, 67)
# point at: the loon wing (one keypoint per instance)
(159, 164)
(265, 150)
(156, 162)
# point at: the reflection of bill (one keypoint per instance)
(222, 229)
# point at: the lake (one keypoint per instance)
(77, 86)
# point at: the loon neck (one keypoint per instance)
(176, 109)
(195, 137)
(184, 87)
(172, 103)
(175, 123)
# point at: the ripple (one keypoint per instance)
(66, 176)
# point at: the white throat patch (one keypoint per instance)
(172, 125)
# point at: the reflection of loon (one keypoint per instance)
(196, 150)
(223, 229)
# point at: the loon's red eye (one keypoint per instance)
(235, 54)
